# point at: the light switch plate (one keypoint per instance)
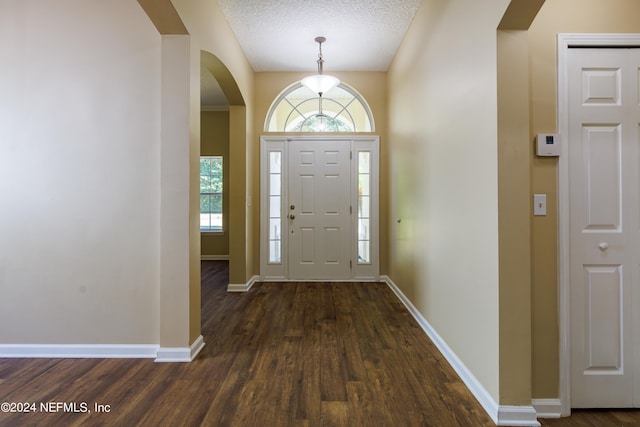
(539, 204)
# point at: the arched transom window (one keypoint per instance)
(298, 109)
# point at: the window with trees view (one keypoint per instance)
(211, 193)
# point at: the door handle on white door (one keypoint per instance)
(603, 246)
(292, 216)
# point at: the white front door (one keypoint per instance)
(604, 236)
(319, 209)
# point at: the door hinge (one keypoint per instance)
(350, 264)
(350, 155)
(350, 210)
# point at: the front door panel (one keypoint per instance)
(319, 210)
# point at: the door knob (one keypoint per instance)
(292, 216)
(603, 246)
(292, 207)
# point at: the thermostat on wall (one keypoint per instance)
(548, 144)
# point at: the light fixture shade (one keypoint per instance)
(320, 83)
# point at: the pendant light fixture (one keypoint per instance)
(320, 83)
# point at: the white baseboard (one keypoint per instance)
(180, 354)
(548, 408)
(233, 287)
(78, 351)
(501, 415)
(102, 351)
(517, 416)
(214, 257)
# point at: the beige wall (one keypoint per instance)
(557, 16)
(177, 294)
(373, 87)
(126, 272)
(80, 190)
(441, 132)
(214, 141)
(211, 33)
(513, 214)
(444, 176)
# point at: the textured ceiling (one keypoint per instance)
(278, 35)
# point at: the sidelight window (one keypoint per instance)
(364, 207)
(275, 207)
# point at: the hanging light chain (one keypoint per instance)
(320, 40)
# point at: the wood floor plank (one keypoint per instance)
(308, 407)
(596, 418)
(367, 409)
(349, 348)
(333, 372)
(335, 414)
(282, 354)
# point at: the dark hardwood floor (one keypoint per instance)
(296, 354)
(597, 418)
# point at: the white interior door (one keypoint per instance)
(318, 214)
(604, 236)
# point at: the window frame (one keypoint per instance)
(343, 109)
(221, 228)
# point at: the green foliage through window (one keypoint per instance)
(211, 186)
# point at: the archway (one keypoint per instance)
(179, 275)
(237, 164)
